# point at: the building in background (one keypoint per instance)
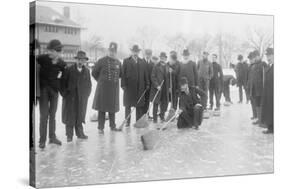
(48, 24)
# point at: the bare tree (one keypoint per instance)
(93, 46)
(199, 44)
(177, 42)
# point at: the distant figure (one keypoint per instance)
(267, 113)
(205, 73)
(160, 73)
(51, 69)
(241, 71)
(107, 72)
(135, 81)
(191, 109)
(216, 83)
(227, 81)
(77, 86)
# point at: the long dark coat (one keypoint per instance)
(76, 87)
(217, 79)
(241, 71)
(159, 73)
(256, 79)
(267, 97)
(107, 72)
(189, 71)
(135, 80)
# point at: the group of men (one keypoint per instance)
(146, 82)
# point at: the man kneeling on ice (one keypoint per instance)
(190, 105)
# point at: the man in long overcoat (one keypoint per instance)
(216, 83)
(107, 72)
(77, 86)
(241, 71)
(160, 73)
(135, 81)
(256, 87)
(149, 64)
(267, 115)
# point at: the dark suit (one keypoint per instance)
(173, 82)
(241, 71)
(267, 113)
(149, 65)
(134, 81)
(216, 83)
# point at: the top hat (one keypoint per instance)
(81, 55)
(113, 46)
(240, 57)
(163, 55)
(269, 51)
(148, 51)
(55, 45)
(135, 48)
(185, 52)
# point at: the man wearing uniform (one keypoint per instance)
(216, 83)
(135, 81)
(107, 72)
(205, 73)
(51, 68)
(241, 71)
(267, 113)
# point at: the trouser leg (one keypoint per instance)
(253, 105)
(44, 113)
(69, 130)
(246, 92)
(211, 96)
(101, 120)
(227, 92)
(155, 111)
(52, 113)
(112, 124)
(139, 112)
(127, 113)
(204, 83)
(198, 115)
(218, 96)
(240, 93)
(163, 109)
(258, 107)
(146, 104)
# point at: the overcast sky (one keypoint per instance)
(119, 24)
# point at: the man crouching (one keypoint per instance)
(190, 105)
(76, 82)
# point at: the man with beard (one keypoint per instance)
(107, 72)
(256, 87)
(51, 69)
(205, 73)
(241, 71)
(267, 113)
(77, 86)
(149, 65)
(173, 79)
(135, 81)
(216, 84)
(160, 74)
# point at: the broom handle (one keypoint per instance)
(134, 107)
(171, 87)
(176, 114)
(155, 96)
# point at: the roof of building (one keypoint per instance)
(47, 15)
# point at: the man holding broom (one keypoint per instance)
(135, 81)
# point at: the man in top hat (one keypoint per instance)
(135, 81)
(205, 73)
(256, 87)
(191, 109)
(149, 64)
(77, 86)
(107, 72)
(216, 83)
(250, 76)
(241, 71)
(267, 114)
(51, 68)
(174, 68)
(160, 74)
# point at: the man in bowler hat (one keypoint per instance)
(51, 68)
(76, 89)
(107, 72)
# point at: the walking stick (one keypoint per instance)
(142, 122)
(126, 119)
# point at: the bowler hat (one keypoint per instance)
(135, 48)
(269, 51)
(163, 55)
(185, 52)
(250, 56)
(256, 53)
(113, 46)
(240, 57)
(55, 45)
(81, 55)
(183, 81)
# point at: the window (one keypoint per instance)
(49, 28)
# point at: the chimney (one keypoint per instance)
(66, 12)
